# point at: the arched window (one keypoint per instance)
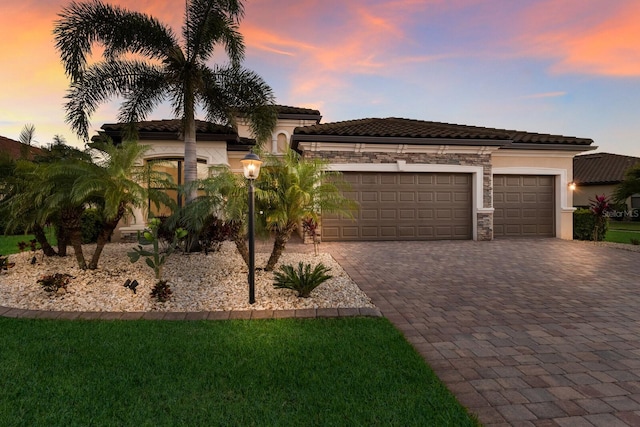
(283, 143)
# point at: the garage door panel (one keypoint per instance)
(407, 214)
(365, 196)
(405, 206)
(425, 179)
(388, 196)
(388, 214)
(388, 179)
(407, 196)
(425, 196)
(512, 198)
(523, 206)
(369, 214)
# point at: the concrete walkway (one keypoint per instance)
(523, 332)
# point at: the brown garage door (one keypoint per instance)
(524, 206)
(404, 206)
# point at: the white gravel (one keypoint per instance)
(214, 282)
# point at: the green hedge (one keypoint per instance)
(584, 223)
(91, 225)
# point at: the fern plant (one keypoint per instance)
(303, 280)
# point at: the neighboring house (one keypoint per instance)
(413, 180)
(600, 173)
(16, 149)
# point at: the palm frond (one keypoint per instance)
(27, 134)
(629, 186)
(229, 91)
(212, 22)
(105, 80)
(119, 30)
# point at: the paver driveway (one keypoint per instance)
(523, 332)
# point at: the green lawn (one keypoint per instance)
(9, 244)
(624, 225)
(288, 372)
(623, 231)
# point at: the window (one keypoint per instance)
(175, 168)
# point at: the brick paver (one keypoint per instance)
(524, 332)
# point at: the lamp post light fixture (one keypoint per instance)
(251, 166)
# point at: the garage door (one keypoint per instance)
(524, 206)
(404, 206)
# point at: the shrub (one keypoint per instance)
(302, 280)
(634, 241)
(600, 207)
(53, 282)
(583, 224)
(213, 233)
(91, 223)
(161, 291)
(5, 264)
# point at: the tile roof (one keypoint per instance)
(285, 110)
(171, 129)
(14, 148)
(393, 127)
(171, 126)
(601, 168)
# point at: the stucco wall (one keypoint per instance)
(583, 193)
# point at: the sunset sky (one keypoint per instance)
(569, 67)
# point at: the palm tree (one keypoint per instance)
(146, 63)
(291, 189)
(224, 194)
(115, 182)
(629, 186)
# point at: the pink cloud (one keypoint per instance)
(585, 37)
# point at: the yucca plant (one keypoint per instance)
(303, 280)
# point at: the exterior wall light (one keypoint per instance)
(572, 186)
(251, 166)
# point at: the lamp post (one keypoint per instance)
(251, 167)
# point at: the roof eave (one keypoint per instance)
(314, 117)
(548, 146)
(297, 138)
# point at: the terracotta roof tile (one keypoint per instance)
(420, 129)
(14, 148)
(171, 126)
(601, 168)
(286, 109)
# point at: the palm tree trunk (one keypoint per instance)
(41, 237)
(282, 237)
(105, 235)
(63, 240)
(190, 150)
(71, 221)
(240, 241)
(76, 242)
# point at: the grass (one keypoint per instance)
(9, 244)
(624, 225)
(286, 372)
(623, 231)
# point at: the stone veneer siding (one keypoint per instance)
(485, 220)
